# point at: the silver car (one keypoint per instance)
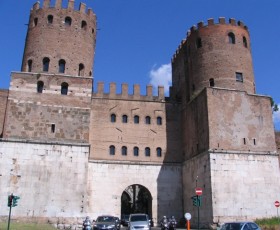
(139, 222)
(240, 226)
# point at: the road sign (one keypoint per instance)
(188, 216)
(198, 191)
(277, 203)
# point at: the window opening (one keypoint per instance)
(148, 120)
(81, 70)
(68, 21)
(193, 87)
(136, 119)
(159, 152)
(254, 140)
(113, 117)
(198, 43)
(244, 141)
(211, 82)
(244, 42)
(29, 66)
(53, 128)
(231, 38)
(239, 77)
(124, 118)
(40, 86)
(112, 150)
(64, 88)
(50, 19)
(46, 63)
(147, 152)
(84, 25)
(61, 66)
(124, 150)
(136, 151)
(159, 120)
(35, 21)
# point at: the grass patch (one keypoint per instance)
(26, 226)
(269, 223)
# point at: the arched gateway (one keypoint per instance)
(136, 199)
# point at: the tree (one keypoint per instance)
(273, 105)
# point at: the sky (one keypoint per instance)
(136, 39)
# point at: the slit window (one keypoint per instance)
(245, 42)
(50, 19)
(231, 38)
(136, 151)
(244, 141)
(68, 21)
(113, 118)
(40, 86)
(46, 63)
(239, 76)
(254, 141)
(53, 128)
(29, 65)
(84, 25)
(198, 43)
(35, 22)
(211, 82)
(159, 153)
(159, 121)
(61, 66)
(148, 120)
(64, 88)
(147, 152)
(124, 150)
(136, 119)
(112, 150)
(124, 119)
(81, 70)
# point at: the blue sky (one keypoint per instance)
(137, 38)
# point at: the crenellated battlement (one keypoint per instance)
(112, 94)
(210, 22)
(58, 5)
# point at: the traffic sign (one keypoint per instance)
(188, 216)
(198, 191)
(277, 203)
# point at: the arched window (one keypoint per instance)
(92, 31)
(159, 121)
(68, 21)
(136, 119)
(40, 87)
(231, 38)
(35, 22)
(113, 117)
(147, 152)
(112, 150)
(124, 150)
(64, 88)
(50, 19)
(211, 82)
(148, 120)
(61, 66)
(84, 25)
(29, 65)
(245, 42)
(159, 152)
(124, 119)
(198, 43)
(81, 70)
(136, 151)
(46, 63)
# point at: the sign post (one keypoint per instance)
(188, 216)
(277, 204)
(198, 192)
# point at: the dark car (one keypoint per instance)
(124, 220)
(105, 223)
(240, 226)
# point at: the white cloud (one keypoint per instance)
(161, 76)
(276, 118)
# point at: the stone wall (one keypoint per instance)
(3, 107)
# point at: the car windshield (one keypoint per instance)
(105, 219)
(232, 226)
(138, 218)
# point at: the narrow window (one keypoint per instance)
(147, 152)
(50, 19)
(231, 38)
(136, 119)
(193, 87)
(53, 128)
(239, 77)
(244, 141)
(148, 120)
(112, 150)
(84, 25)
(81, 70)
(113, 118)
(124, 119)
(61, 66)
(244, 42)
(46, 63)
(159, 152)
(40, 86)
(124, 150)
(198, 43)
(159, 121)
(35, 22)
(136, 151)
(64, 88)
(211, 82)
(68, 21)
(29, 65)
(92, 31)
(254, 140)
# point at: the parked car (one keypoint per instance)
(105, 223)
(240, 226)
(124, 220)
(139, 221)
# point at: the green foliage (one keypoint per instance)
(273, 105)
(26, 226)
(268, 223)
